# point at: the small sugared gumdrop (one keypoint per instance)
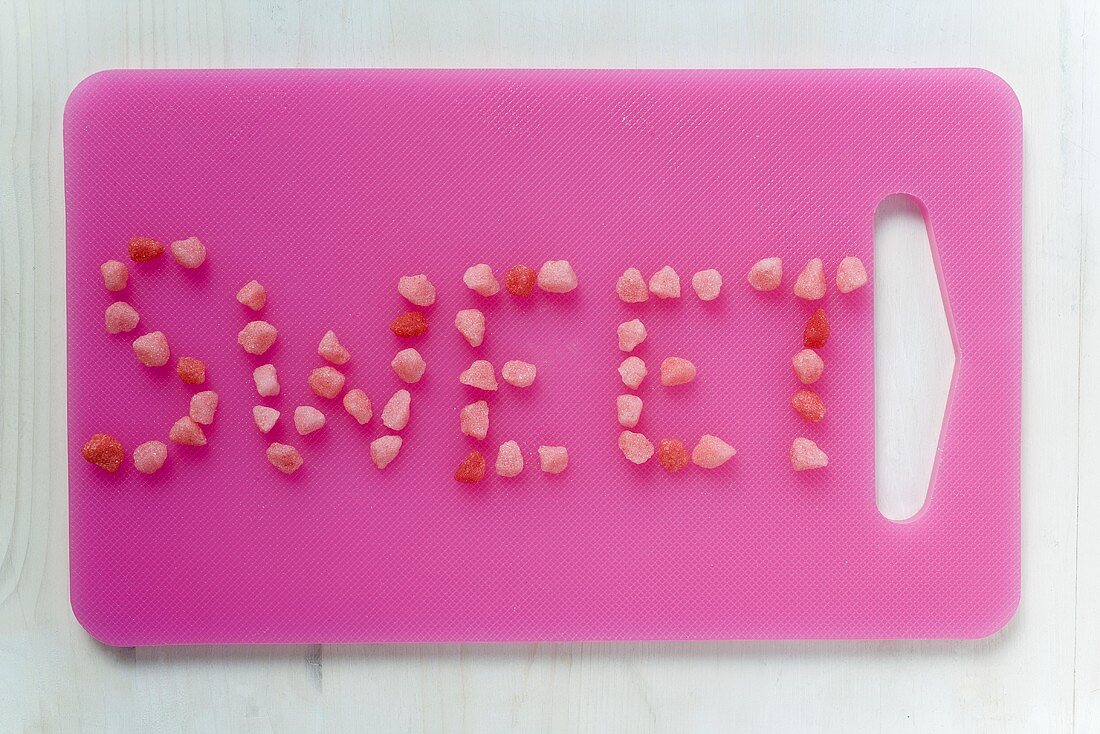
(474, 419)
(810, 284)
(409, 324)
(395, 415)
(114, 275)
(808, 365)
(665, 283)
(149, 456)
(635, 447)
(267, 380)
(308, 419)
(711, 452)
(187, 432)
(509, 459)
(633, 371)
(809, 405)
(252, 295)
(120, 316)
(357, 404)
(408, 365)
(707, 284)
(190, 253)
(152, 349)
(629, 408)
(471, 324)
(284, 458)
(520, 280)
(850, 275)
(203, 406)
(817, 330)
(416, 289)
(557, 276)
(805, 454)
(265, 417)
(480, 280)
(105, 451)
(672, 454)
(331, 349)
(553, 459)
(631, 334)
(766, 274)
(480, 374)
(384, 449)
(257, 337)
(518, 373)
(676, 371)
(326, 382)
(631, 287)
(144, 249)
(191, 370)
(471, 469)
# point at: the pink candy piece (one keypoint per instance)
(711, 452)
(252, 295)
(471, 323)
(557, 276)
(326, 382)
(850, 275)
(409, 365)
(665, 283)
(808, 365)
(633, 371)
(631, 334)
(331, 349)
(416, 289)
(114, 275)
(635, 447)
(630, 410)
(480, 374)
(358, 405)
(152, 349)
(120, 316)
(767, 274)
(811, 281)
(707, 284)
(553, 459)
(676, 371)
(190, 253)
(474, 419)
(203, 405)
(284, 458)
(395, 415)
(805, 454)
(265, 417)
(384, 449)
(509, 459)
(631, 287)
(267, 380)
(187, 432)
(480, 280)
(517, 373)
(150, 456)
(257, 337)
(308, 419)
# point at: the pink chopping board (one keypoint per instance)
(329, 185)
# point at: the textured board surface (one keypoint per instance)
(328, 185)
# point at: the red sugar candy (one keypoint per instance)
(326, 382)
(191, 370)
(152, 349)
(767, 274)
(520, 280)
(409, 365)
(811, 281)
(331, 349)
(676, 371)
(817, 330)
(409, 324)
(284, 458)
(808, 366)
(252, 295)
(474, 419)
(480, 374)
(384, 449)
(257, 337)
(805, 454)
(809, 405)
(190, 253)
(631, 287)
(480, 280)
(471, 469)
(105, 451)
(114, 275)
(149, 457)
(672, 454)
(358, 405)
(144, 249)
(203, 405)
(267, 380)
(120, 316)
(187, 432)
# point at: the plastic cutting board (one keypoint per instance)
(328, 185)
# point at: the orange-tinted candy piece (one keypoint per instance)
(144, 249)
(104, 451)
(520, 280)
(817, 330)
(672, 454)
(471, 469)
(191, 370)
(409, 324)
(809, 405)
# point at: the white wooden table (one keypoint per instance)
(1041, 673)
